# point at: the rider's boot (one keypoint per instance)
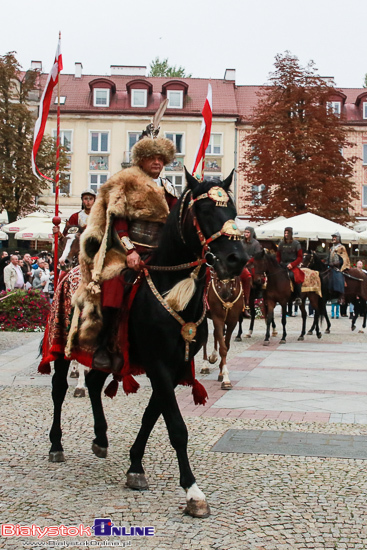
(105, 357)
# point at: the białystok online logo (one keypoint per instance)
(102, 527)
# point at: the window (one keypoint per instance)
(66, 138)
(64, 184)
(99, 142)
(96, 180)
(215, 145)
(364, 153)
(139, 98)
(175, 99)
(365, 109)
(98, 163)
(62, 100)
(211, 177)
(133, 137)
(334, 107)
(178, 182)
(256, 193)
(178, 140)
(101, 97)
(364, 196)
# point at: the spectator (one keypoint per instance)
(37, 273)
(4, 261)
(13, 275)
(27, 270)
(45, 279)
(335, 309)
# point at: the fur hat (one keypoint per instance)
(148, 147)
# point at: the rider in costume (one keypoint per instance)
(289, 255)
(122, 231)
(80, 218)
(339, 262)
(252, 247)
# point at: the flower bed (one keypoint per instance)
(23, 310)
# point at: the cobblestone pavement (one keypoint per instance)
(258, 502)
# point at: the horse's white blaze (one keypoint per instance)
(225, 374)
(194, 493)
(70, 240)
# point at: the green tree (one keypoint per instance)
(18, 185)
(294, 159)
(162, 68)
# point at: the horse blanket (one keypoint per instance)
(312, 282)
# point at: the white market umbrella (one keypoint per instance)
(38, 231)
(241, 224)
(4, 217)
(363, 237)
(307, 226)
(27, 221)
(3, 236)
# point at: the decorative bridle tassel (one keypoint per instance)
(180, 295)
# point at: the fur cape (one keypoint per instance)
(129, 194)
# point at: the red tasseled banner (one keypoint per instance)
(112, 388)
(199, 393)
(129, 384)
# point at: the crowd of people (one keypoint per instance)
(25, 272)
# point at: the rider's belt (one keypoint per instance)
(145, 234)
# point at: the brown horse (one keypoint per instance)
(225, 301)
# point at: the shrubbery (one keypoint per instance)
(23, 310)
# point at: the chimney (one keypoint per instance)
(230, 74)
(78, 70)
(36, 66)
(127, 70)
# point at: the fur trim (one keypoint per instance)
(148, 147)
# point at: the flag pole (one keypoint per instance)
(56, 220)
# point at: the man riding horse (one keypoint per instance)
(252, 247)
(123, 230)
(289, 255)
(338, 262)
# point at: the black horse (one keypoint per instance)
(199, 229)
(355, 288)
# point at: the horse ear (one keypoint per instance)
(191, 181)
(228, 181)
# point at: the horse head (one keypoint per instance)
(210, 208)
(69, 249)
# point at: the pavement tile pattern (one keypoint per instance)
(258, 501)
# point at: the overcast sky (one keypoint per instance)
(204, 36)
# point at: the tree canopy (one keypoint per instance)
(294, 159)
(162, 68)
(19, 187)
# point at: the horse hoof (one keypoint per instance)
(300, 338)
(248, 335)
(238, 339)
(205, 370)
(138, 482)
(310, 333)
(361, 332)
(101, 452)
(213, 360)
(56, 456)
(274, 333)
(327, 331)
(282, 342)
(266, 342)
(353, 327)
(197, 508)
(220, 377)
(74, 374)
(319, 335)
(226, 386)
(79, 392)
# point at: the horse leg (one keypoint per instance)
(219, 340)
(274, 327)
(226, 382)
(269, 315)
(74, 373)
(239, 334)
(302, 307)
(163, 388)
(94, 382)
(205, 368)
(328, 324)
(80, 387)
(284, 323)
(214, 355)
(354, 317)
(59, 389)
(135, 475)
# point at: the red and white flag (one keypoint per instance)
(205, 129)
(44, 108)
